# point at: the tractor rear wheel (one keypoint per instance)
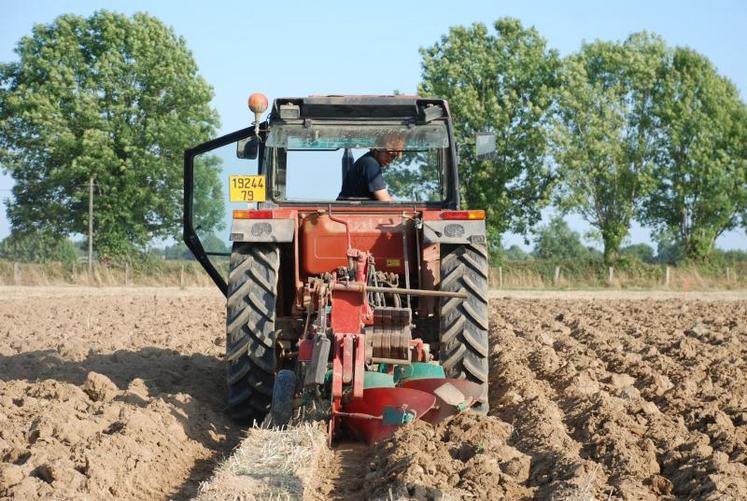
(463, 333)
(250, 329)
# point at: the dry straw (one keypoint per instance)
(270, 464)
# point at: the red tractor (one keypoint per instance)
(378, 307)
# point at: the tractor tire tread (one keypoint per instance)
(451, 331)
(463, 340)
(250, 329)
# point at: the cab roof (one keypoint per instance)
(359, 107)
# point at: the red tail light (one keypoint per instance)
(463, 214)
(252, 214)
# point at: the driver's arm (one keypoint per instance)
(376, 183)
(382, 195)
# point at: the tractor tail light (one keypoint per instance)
(252, 214)
(463, 214)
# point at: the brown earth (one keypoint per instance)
(114, 393)
(119, 393)
(590, 399)
(637, 399)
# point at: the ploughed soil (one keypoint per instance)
(111, 393)
(590, 399)
(119, 393)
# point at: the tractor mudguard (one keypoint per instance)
(454, 232)
(262, 230)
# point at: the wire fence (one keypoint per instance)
(166, 273)
(549, 275)
(511, 275)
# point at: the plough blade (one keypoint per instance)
(382, 410)
(452, 395)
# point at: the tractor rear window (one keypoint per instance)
(323, 136)
(309, 163)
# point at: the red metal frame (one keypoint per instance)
(347, 240)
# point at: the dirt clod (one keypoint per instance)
(11, 474)
(99, 387)
(467, 455)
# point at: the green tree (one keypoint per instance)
(209, 209)
(642, 252)
(515, 253)
(179, 250)
(668, 248)
(731, 256)
(502, 83)
(38, 247)
(605, 130)
(556, 240)
(700, 187)
(108, 97)
(415, 177)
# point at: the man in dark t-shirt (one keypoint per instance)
(365, 180)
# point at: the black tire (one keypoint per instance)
(250, 329)
(283, 392)
(463, 332)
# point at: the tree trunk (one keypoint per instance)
(612, 243)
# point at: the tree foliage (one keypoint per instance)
(415, 177)
(38, 248)
(642, 252)
(605, 130)
(700, 187)
(668, 248)
(515, 253)
(179, 250)
(109, 97)
(556, 240)
(501, 82)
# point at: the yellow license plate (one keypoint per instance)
(246, 188)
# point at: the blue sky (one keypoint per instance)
(286, 48)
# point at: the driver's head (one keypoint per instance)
(385, 157)
(394, 145)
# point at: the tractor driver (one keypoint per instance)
(365, 180)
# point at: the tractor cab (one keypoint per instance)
(307, 147)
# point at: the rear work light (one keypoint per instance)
(463, 214)
(252, 214)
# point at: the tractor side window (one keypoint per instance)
(223, 182)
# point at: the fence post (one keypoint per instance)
(610, 275)
(728, 274)
(127, 273)
(181, 276)
(556, 281)
(16, 274)
(500, 277)
(666, 280)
